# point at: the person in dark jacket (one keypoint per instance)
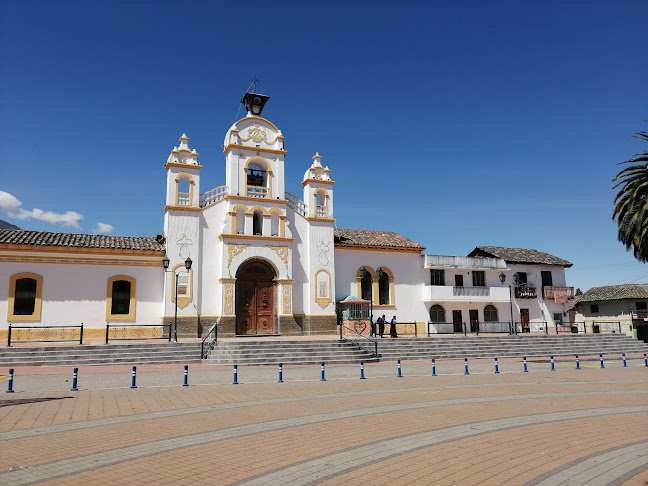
(381, 326)
(392, 328)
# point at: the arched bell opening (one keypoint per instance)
(255, 298)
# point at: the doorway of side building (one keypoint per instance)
(642, 332)
(255, 299)
(524, 319)
(474, 320)
(457, 321)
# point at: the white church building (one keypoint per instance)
(265, 262)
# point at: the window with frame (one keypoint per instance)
(437, 277)
(522, 278)
(557, 317)
(365, 287)
(479, 278)
(437, 313)
(121, 295)
(594, 308)
(24, 303)
(25, 297)
(490, 313)
(383, 289)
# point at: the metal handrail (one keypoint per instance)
(207, 347)
(374, 341)
(123, 326)
(48, 340)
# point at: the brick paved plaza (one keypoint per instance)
(572, 427)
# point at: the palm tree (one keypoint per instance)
(631, 203)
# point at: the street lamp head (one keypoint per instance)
(379, 272)
(364, 272)
(188, 263)
(165, 262)
(502, 277)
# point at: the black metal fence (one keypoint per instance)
(444, 327)
(571, 328)
(531, 327)
(45, 334)
(495, 327)
(403, 328)
(126, 332)
(611, 327)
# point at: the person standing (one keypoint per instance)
(381, 325)
(373, 328)
(392, 328)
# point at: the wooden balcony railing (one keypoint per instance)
(641, 314)
(526, 293)
(549, 291)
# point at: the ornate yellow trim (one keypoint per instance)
(182, 208)
(282, 252)
(228, 299)
(286, 297)
(227, 280)
(323, 301)
(306, 181)
(183, 300)
(359, 281)
(131, 307)
(36, 316)
(322, 220)
(255, 199)
(257, 118)
(233, 250)
(253, 149)
(257, 238)
(182, 166)
(392, 295)
(376, 248)
(285, 280)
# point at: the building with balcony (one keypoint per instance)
(625, 304)
(258, 260)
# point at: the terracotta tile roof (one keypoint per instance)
(46, 238)
(519, 255)
(358, 237)
(615, 292)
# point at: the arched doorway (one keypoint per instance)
(255, 298)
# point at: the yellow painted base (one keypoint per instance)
(96, 334)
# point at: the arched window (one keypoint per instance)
(25, 290)
(366, 284)
(490, 313)
(240, 221)
(257, 222)
(321, 210)
(274, 223)
(184, 189)
(120, 298)
(256, 175)
(383, 289)
(437, 313)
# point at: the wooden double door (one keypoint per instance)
(255, 300)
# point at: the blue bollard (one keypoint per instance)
(362, 377)
(433, 367)
(496, 366)
(602, 365)
(645, 359)
(323, 378)
(625, 365)
(526, 370)
(553, 368)
(280, 374)
(186, 375)
(235, 382)
(134, 377)
(74, 380)
(399, 370)
(466, 366)
(10, 386)
(577, 363)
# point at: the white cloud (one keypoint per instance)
(103, 228)
(11, 206)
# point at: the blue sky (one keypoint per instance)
(455, 123)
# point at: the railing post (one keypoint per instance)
(526, 370)
(466, 366)
(619, 327)
(9, 336)
(134, 375)
(362, 376)
(433, 367)
(107, 331)
(415, 330)
(10, 384)
(81, 336)
(546, 326)
(464, 328)
(340, 325)
(186, 375)
(323, 377)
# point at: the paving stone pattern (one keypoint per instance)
(587, 426)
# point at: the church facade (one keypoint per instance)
(260, 261)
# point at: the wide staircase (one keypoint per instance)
(288, 352)
(101, 354)
(353, 351)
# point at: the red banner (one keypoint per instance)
(561, 296)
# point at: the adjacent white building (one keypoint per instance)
(258, 260)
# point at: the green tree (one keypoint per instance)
(631, 203)
(578, 292)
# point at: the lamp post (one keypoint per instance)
(502, 278)
(165, 263)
